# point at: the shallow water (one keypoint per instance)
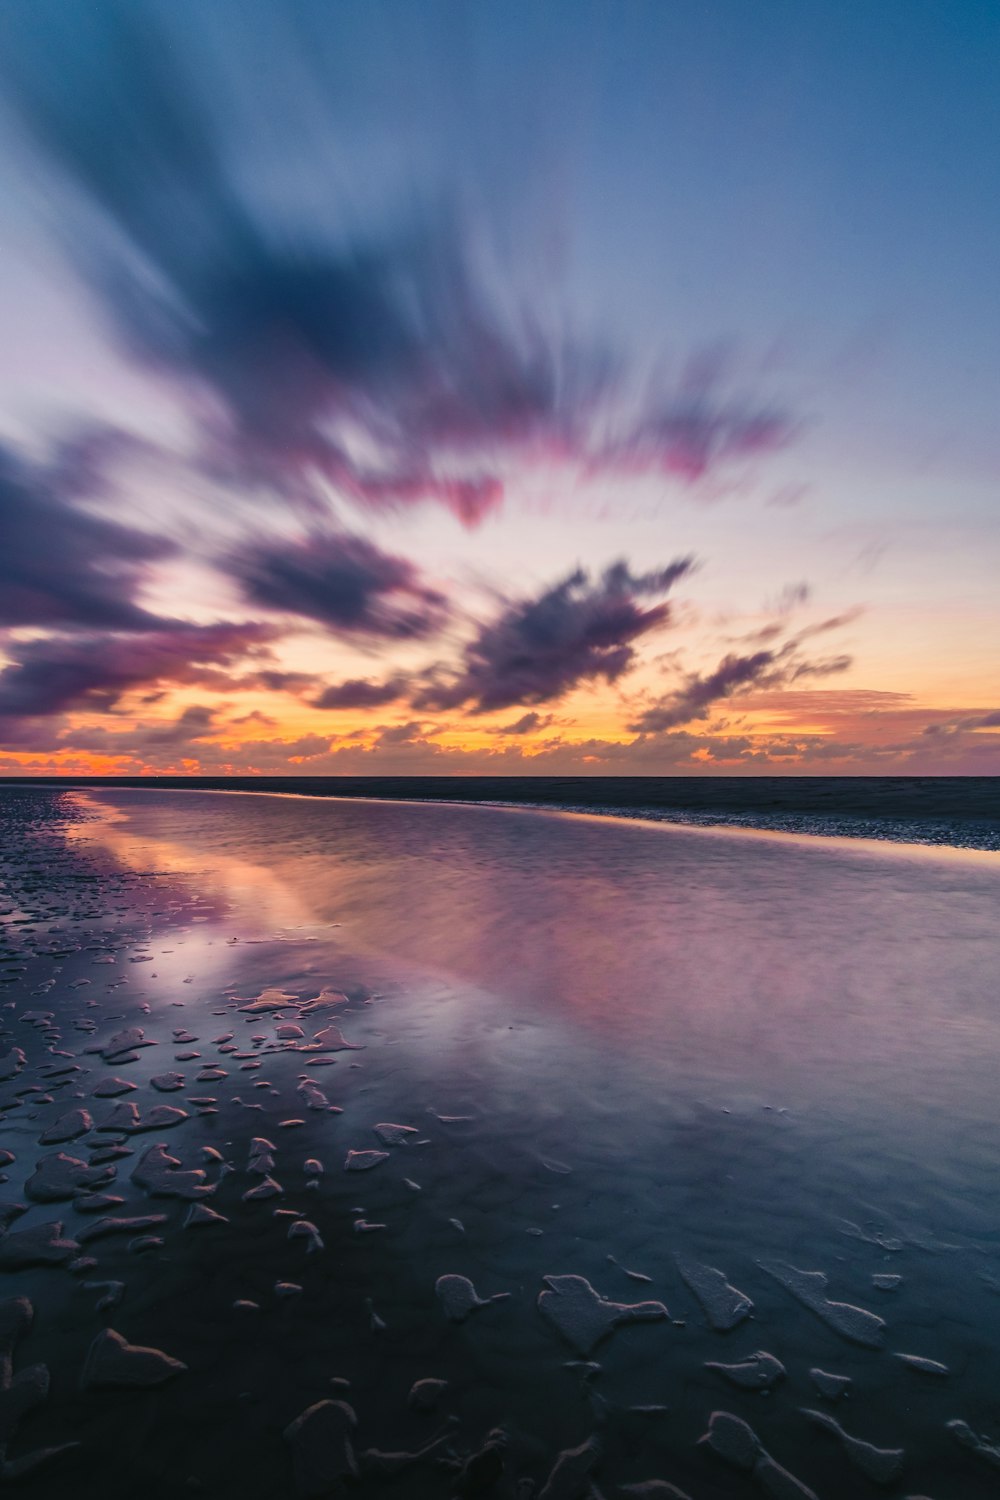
(962, 812)
(659, 1042)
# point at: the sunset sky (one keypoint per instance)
(514, 388)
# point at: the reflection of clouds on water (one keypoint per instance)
(639, 978)
(249, 890)
(822, 974)
(608, 1048)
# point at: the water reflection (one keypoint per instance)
(739, 1046)
(620, 923)
(235, 882)
(846, 979)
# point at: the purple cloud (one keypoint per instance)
(694, 700)
(526, 724)
(539, 649)
(191, 727)
(698, 427)
(762, 669)
(52, 675)
(960, 724)
(60, 566)
(308, 337)
(361, 692)
(344, 582)
(410, 733)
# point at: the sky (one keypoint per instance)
(527, 388)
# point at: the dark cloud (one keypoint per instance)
(361, 692)
(309, 338)
(196, 723)
(411, 733)
(538, 649)
(789, 599)
(255, 717)
(526, 724)
(52, 675)
(345, 582)
(696, 697)
(278, 754)
(767, 669)
(60, 566)
(828, 667)
(276, 681)
(960, 724)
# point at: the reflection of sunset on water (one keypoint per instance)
(565, 1053)
(255, 890)
(676, 944)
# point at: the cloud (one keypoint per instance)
(853, 702)
(195, 724)
(961, 723)
(361, 692)
(60, 566)
(827, 667)
(411, 733)
(538, 649)
(789, 599)
(312, 352)
(342, 581)
(833, 622)
(695, 698)
(274, 680)
(526, 724)
(93, 671)
(190, 743)
(698, 427)
(255, 717)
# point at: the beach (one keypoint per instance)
(452, 1150)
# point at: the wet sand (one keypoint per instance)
(427, 1151)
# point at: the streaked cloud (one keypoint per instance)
(535, 650)
(52, 674)
(342, 581)
(322, 353)
(361, 692)
(61, 566)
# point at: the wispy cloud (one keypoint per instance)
(317, 353)
(50, 675)
(344, 582)
(61, 566)
(529, 723)
(537, 649)
(699, 693)
(696, 697)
